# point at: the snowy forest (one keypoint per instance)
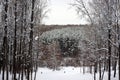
(32, 50)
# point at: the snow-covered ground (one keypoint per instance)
(67, 73)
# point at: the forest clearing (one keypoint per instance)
(59, 40)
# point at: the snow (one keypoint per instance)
(68, 73)
(36, 38)
(69, 32)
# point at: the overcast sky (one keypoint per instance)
(62, 13)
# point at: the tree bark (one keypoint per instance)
(109, 54)
(15, 41)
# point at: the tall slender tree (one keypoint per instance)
(5, 41)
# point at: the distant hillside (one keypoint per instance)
(44, 28)
(72, 33)
(67, 42)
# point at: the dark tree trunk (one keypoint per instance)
(95, 70)
(109, 54)
(99, 70)
(15, 42)
(115, 65)
(31, 42)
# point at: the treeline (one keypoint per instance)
(17, 21)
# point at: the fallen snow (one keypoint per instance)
(67, 73)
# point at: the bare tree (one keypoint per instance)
(41, 10)
(17, 20)
(105, 15)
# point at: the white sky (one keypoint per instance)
(62, 13)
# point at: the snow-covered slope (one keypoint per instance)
(70, 32)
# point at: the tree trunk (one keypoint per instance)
(31, 41)
(119, 52)
(15, 41)
(109, 54)
(99, 70)
(95, 70)
(5, 43)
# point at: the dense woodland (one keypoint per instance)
(26, 44)
(17, 37)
